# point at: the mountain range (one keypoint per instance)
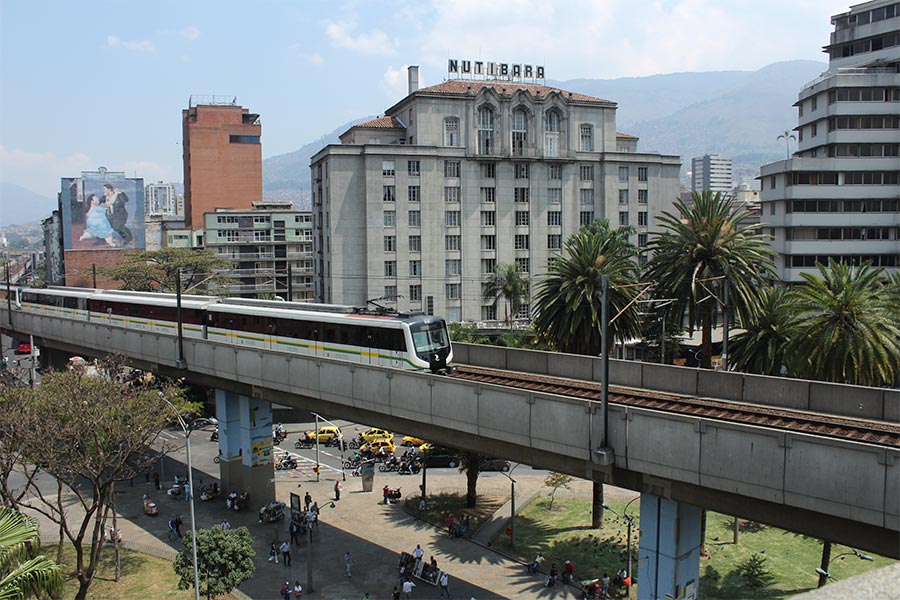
(738, 114)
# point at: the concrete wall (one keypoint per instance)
(691, 459)
(832, 398)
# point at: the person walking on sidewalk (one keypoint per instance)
(298, 590)
(178, 524)
(348, 560)
(286, 591)
(286, 553)
(337, 490)
(307, 500)
(408, 586)
(445, 584)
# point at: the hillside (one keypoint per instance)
(19, 205)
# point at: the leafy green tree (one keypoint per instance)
(567, 302)
(22, 573)
(467, 333)
(847, 329)
(754, 573)
(157, 270)
(554, 481)
(224, 560)
(508, 283)
(763, 345)
(694, 247)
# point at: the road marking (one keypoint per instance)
(302, 459)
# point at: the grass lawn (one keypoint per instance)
(441, 506)
(564, 533)
(142, 576)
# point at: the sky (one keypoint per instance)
(103, 82)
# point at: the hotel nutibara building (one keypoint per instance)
(424, 202)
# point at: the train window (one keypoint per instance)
(330, 333)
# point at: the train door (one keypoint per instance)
(369, 352)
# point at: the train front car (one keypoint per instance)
(431, 343)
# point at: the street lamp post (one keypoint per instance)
(824, 574)
(512, 513)
(187, 437)
(630, 521)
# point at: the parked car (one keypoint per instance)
(409, 440)
(325, 434)
(377, 435)
(495, 464)
(201, 422)
(441, 457)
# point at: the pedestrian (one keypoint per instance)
(307, 500)
(285, 553)
(178, 524)
(172, 530)
(298, 590)
(395, 595)
(451, 525)
(433, 564)
(286, 591)
(421, 508)
(294, 530)
(384, 492)
(445, 584)
(418, 553)
(147, 478)
(156, 480)
(337, 490)
(225, 525)
(408, 586)
(273, 553)
(568, 575)
(348, 560)
(187, 492)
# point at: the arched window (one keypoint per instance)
(519, 132)
(485, 130)
(451, 131)
(551, 135)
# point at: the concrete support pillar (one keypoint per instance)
(669, 556)
(245, 443)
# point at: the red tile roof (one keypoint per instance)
(625, 135)
(455, 87)
(382, 123)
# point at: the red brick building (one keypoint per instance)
(222, 157)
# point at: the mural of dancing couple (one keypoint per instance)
(103, 210)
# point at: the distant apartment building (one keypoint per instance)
(267, 244)
(160, 199)
(712, 172)
(222, 157)
(838, 196)
(420, 206)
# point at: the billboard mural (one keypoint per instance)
(102, 210)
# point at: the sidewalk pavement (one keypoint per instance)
(373, 533)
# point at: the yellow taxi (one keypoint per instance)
(325, 434)
(377, 435)
(426, 447)
(410, 440)
(375, 447)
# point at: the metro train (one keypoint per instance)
(370, 336)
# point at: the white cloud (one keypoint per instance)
(113, 41)
(394, 83)
(341, 35)
(189, 34)
(41, 172)
(618, 38)
(313, 58)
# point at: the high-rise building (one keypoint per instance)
(422, 204)
(711, 172)
(838, 196)
(222, 157)
(263, 243)
(161, 199)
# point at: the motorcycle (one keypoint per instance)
(388, 466)
(356, 442)
(285, 462)
(278, 436)
(271, 512)
(214, 436)
(412, 468)
(304, 443)
(393, 495)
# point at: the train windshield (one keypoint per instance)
(429, 336)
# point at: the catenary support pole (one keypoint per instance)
(604, 365)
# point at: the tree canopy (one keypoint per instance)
(24, 573)
(157, 270)
(507, 282)
(224, 560)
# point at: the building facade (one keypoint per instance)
(838, 196)
(420, 205)
(265, 244)
(161, 199)
(712, 172)
(222, 157)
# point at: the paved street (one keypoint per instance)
(373, 533)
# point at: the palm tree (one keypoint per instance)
(567, 302)
(470, 464)
(507, 282)
(21, 576)
(787, 136)
(847, 331)
(701, 249)
(762, 347)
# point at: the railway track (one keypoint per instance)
(846, 428)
